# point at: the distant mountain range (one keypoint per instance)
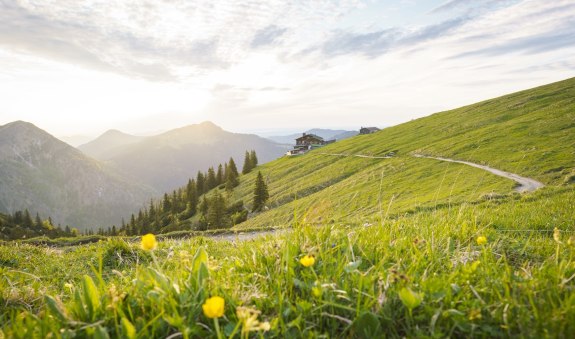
(166, 161)
(327, 134)
(43, 174)
(112, 176)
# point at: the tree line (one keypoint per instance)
(174, 211)
(21, 225)
(170, 213)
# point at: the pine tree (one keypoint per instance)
(220, 175)
(166, 204)
(217, 211)
(253, 159)
(201, 183)
(204, 206)
(152, 210)
(27, 222)
(232, 168)
(175, 202)
(211, 181)
(192, 197)
(38, 225)
(232, 175)
(261, 194)
(132, 225)
(247, 163)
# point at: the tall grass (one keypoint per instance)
(421, 274)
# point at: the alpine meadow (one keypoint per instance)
(401, 245)
(296, 218)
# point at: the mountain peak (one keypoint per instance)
(23, 133)
(113, 132)
(20, 124)
(208, 124)
(110, 142)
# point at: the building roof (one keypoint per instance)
(310, 135)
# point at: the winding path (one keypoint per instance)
(355, 155)
(525, 184)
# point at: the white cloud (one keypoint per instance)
(247, 64)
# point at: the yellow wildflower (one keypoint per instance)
(307, 260)
(557, 235)
(149, 242)
(249, 320)
(214, 307)
(481, 240)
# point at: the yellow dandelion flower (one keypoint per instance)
(214, 307)
(149, 242)
(307, 260)
(481, 240)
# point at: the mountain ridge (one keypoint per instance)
(43, 174)
(167, 160)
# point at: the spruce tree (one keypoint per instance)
(261, 194)
(201, 183)
(38, 224)
(152, 213)
(192, 196)
(166, 204)
(175, 202)
(220, 175)
(232, 167)
(217, 211)
(132, 225)
(247, 163)
(211, 180)
(27, 222)
(253, 159)
(232, 175)
(204, 205)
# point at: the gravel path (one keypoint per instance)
(355, 155)
(525, 184)
(242, 236)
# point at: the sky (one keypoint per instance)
(76, 67)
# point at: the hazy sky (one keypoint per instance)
(82, 67)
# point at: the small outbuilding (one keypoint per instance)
(368, 130)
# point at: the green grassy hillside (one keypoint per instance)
(401, 247)
(531, 133)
